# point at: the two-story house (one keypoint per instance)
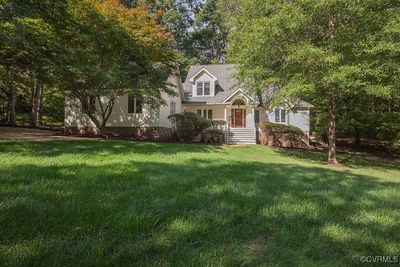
(210, 91)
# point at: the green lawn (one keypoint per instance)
(93, 203)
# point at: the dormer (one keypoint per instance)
(203, 83)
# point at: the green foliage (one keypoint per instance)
(213, 136)
(199, 28)
(275, 134)
(87, 48)
(281, 128)
(384, 127)
(362, 117)
(318, 50)
(210, 33)
(218, 124)
(188, 125)
(307, 46)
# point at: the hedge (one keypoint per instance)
(280, 135)
(187, 125)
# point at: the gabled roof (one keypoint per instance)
(226, 87)
(224, 73)
(200, 71)
(238, 92)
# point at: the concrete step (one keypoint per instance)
(240, 136)
(241, 143)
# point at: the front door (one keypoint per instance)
(238, 118)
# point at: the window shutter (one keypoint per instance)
(131, 104)
(283, 115)
(139, 106)
(277, 115)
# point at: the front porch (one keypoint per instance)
(238, 115)
(234, 116)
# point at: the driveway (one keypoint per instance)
(28, 134)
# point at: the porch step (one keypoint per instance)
(241, 136)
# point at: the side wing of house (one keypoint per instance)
(173, 103)
(298, 116)
(129, 112)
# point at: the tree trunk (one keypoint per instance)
(36, 104)
(357, 138)
(332, 127)
(98, 114)
(11, 105)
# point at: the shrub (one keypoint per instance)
(187, 125)
(218, 125)
(213, 136)
(273, 134)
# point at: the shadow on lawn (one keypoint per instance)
(195, 212)
(54, 148)
(349, 160)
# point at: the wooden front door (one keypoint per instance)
(238, 118)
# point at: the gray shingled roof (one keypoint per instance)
(226, 83)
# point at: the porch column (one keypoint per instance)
(226, 117)
(254, 117)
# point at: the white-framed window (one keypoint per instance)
(203, 88)
(280, 115)
(172, 108)
(205, 113)
(135, 105)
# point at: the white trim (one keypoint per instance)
(200, 71)
(235, 92)
(206, 110)
(203, 88)
(135, 100)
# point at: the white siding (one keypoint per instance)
(151, 117)
(217, 110)
(299, 118)
(165, 110)
(119, 116)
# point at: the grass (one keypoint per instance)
(102, 203)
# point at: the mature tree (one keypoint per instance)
(27, 52)
(177, 16)
(323, 49)
(94, 50)
(210, 33)
(113, 50)
(198, 27)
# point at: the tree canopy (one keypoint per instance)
(323, 49)
(91, 48)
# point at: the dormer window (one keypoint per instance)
(203, 88)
